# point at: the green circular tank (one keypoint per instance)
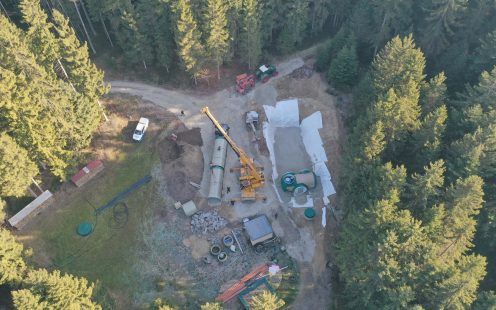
(309, 213)
(84, 229)
(303, 180)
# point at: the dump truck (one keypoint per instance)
(265, 72)
(141, 128)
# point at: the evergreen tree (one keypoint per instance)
(218, 39)
(425, 190)
(86, 79)
(486, 300)
(295, 26)
(188, 37)
(40, 33)
(320, 11)
(399, 115)
(381, 253)
(3, 212)
(443, 17)
(428, 139)
(16, 169)
(234, 21)
(459, 287)
(483, 93)
(399, 64)
(343, 70)
(155, 21)
(136, 46)
(266, 301)
(211, 306)
(389, 17)
(331, 50)
(485, 54)
(251, 35)
(37, 109)
(463, 202)
(53, 291)
(433, 93)
(12, 265)
(474, 154)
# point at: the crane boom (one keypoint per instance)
(244, 159)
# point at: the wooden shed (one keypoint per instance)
(87, 173)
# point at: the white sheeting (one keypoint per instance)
(324, 218)
(286, 114)
(315, 148)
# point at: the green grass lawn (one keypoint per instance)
(107, 254)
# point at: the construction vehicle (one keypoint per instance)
(252, 123)
(265, 72)
(244, 82)
(251, 176)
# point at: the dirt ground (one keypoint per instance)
(306, 241)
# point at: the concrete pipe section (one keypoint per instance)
(217, 171)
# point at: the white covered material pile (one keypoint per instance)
(286, 114)
(205, 222)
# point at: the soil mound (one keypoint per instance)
(182, 162)
(191, 136)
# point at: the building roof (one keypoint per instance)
(95, 164)
(258, 227)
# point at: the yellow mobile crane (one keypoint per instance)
(251, 176)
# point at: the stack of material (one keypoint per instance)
(33, 208)
(87, 173)
(304, 72)
(204, 222)
(237, 288)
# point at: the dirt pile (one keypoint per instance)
(182, 162)
(304, 72)
(204, 222)
(191, 136)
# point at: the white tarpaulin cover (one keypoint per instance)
(286, 114)
(315, 148)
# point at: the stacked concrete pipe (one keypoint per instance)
(217, 171)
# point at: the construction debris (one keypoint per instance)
(304, 72)
(205, 222)
(195, 185)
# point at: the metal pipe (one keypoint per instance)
(217, 171)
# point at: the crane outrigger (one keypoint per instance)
(251, 176)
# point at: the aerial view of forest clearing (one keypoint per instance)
(143, 247)
(254, 154)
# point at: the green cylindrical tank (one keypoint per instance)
(298, 182)
(84, 229)
(309, 213)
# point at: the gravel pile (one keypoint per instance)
(205, 222)
(303, 72)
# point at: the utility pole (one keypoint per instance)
(84, 27)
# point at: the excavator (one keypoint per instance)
(251, 176)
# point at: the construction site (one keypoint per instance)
(215, 198)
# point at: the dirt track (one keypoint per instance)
(314, 289)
